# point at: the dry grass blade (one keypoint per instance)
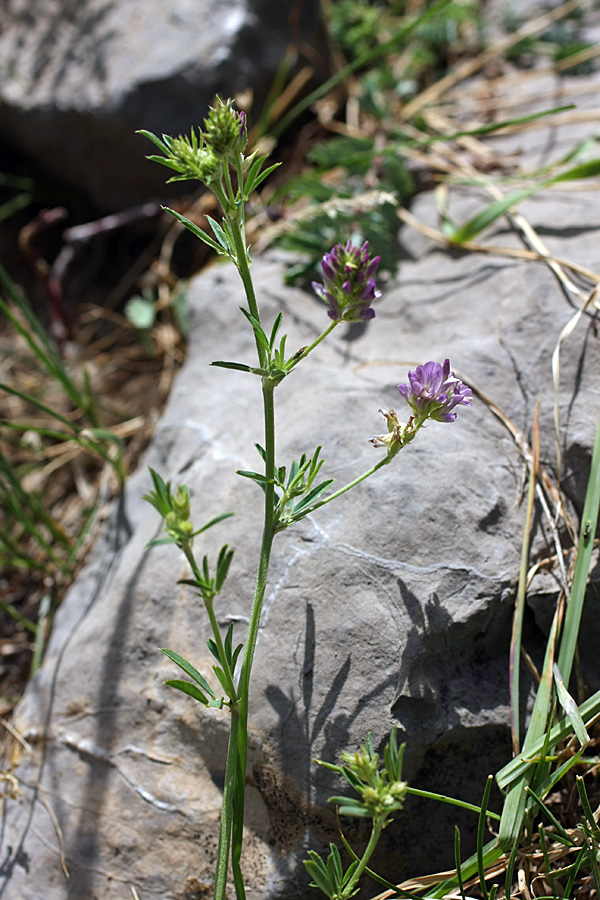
(495, 250)
(429, 96)
(568, 329)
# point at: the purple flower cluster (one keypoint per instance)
(348, 286)
(434, 391)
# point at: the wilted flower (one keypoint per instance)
(398, 433)
(434, 391)
(348, 286)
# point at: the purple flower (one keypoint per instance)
(434, 392)
(348, 286)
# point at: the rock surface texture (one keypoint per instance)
(392, 605)
(79, 77)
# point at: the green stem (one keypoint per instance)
(375, 835)
(304, 353)
(228, 185)
(259, 592)
(208, 603)
(382, 462)
(227, 810)
(243, 267)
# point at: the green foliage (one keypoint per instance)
(32, 536)
(294, 491)
(356, 183)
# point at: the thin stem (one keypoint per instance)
(375, 835)
(227, 810)
(259, 592)
(228, 185)
(382, 462)
(302, 355)
(239, 237)
(208, 603)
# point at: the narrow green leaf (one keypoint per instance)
(457, 862)
(222, 679)
(198, 232)
(275, 329)
(154, 139)
(337, 863)
(214, 521)
(29, 398)
(587, 809)
(584, 170)
(549, 815)
(515, 768)
(255, 476)
(318, 872)
(480, 833)
(313, 495)
(186, 687)
(589, 523)
(241, 367)
(570, 708)
(211, 644)
(351, 809)
(260, 178)
(219, 234)
(158, 541)
(104, 434)
(452, 801)
(189, 669)
(258, 329)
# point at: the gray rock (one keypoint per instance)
(392, 605)
(79, 77)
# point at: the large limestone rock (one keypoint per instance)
(78, 77)
(392, 605)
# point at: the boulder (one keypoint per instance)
(392, 605)
(80, 77)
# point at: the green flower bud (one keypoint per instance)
(181, 501)
(225, 130)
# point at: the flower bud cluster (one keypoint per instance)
(177, 520)
(225, 130)
(380, 792)
(348, 286)
(202, 156)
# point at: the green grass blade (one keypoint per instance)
(570, 708)
(515, 768)
(517, 630)
(29, 398)
(496, 209)
(442, 798)
(589, 169)
(489, 855)
(459, 877)
(11, 610)
(549, 815)
(40, 633)
(589, 524)
(480, 833)
(8, 209)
